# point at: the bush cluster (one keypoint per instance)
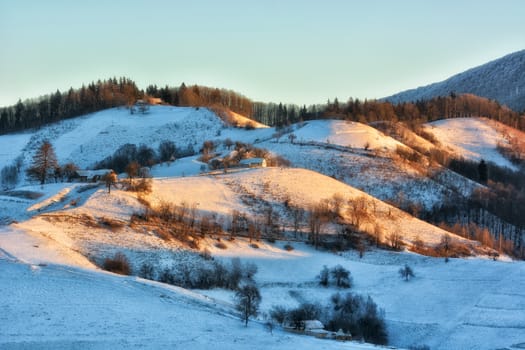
(351, 313)
(117, 264)
(358, 315)
(337, 275)
(206, 275)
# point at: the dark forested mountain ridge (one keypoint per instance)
(502, 80)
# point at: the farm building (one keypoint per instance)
(253, 163)
(92, 175)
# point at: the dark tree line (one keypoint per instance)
(63, 105)
(368, 111)
(142, 155)
(123, 91)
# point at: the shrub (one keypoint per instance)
(167, 276)
(208, 274)
(147, 271)
(9, 176)
(221, 245)
(406, 272)
(254, 245)
(112, 224)
(288, 247)
(341, 276)
(324, 276)
(278, 313)
(142, 186)
(337, 275)
(118, 264)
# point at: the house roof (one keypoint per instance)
(91, 173)
(313, 324)
(252, 161)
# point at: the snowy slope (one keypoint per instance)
(242, 121)
(305, 188)
(470, 304)
(60, 307)
(344, 133)
(11, 146)
(502, 79)
(88, 139)
(124, 312)
(79, 228)
(380, 176)
(332, 147)
(471, 138)
(76, 219)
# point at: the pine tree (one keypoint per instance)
(44, 162)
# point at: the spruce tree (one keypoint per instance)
(44, 162)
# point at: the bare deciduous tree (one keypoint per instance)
(247, 300)
(358, 211)
(110, 179)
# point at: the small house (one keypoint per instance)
(309, 327)
(92, 175)
(253, 163)
(342, 336)
(315, 328)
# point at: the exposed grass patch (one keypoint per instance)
(22, 194)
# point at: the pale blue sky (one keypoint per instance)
(288, 50)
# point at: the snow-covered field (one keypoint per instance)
(462, 304)
(53, 297)
(61, 307)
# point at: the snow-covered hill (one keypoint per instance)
(91, 138)
(472, 138)
(502, 80)
(345, 134)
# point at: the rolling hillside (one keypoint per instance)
(473, 139)
(55, 235)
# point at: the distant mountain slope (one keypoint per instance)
(502, 80)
